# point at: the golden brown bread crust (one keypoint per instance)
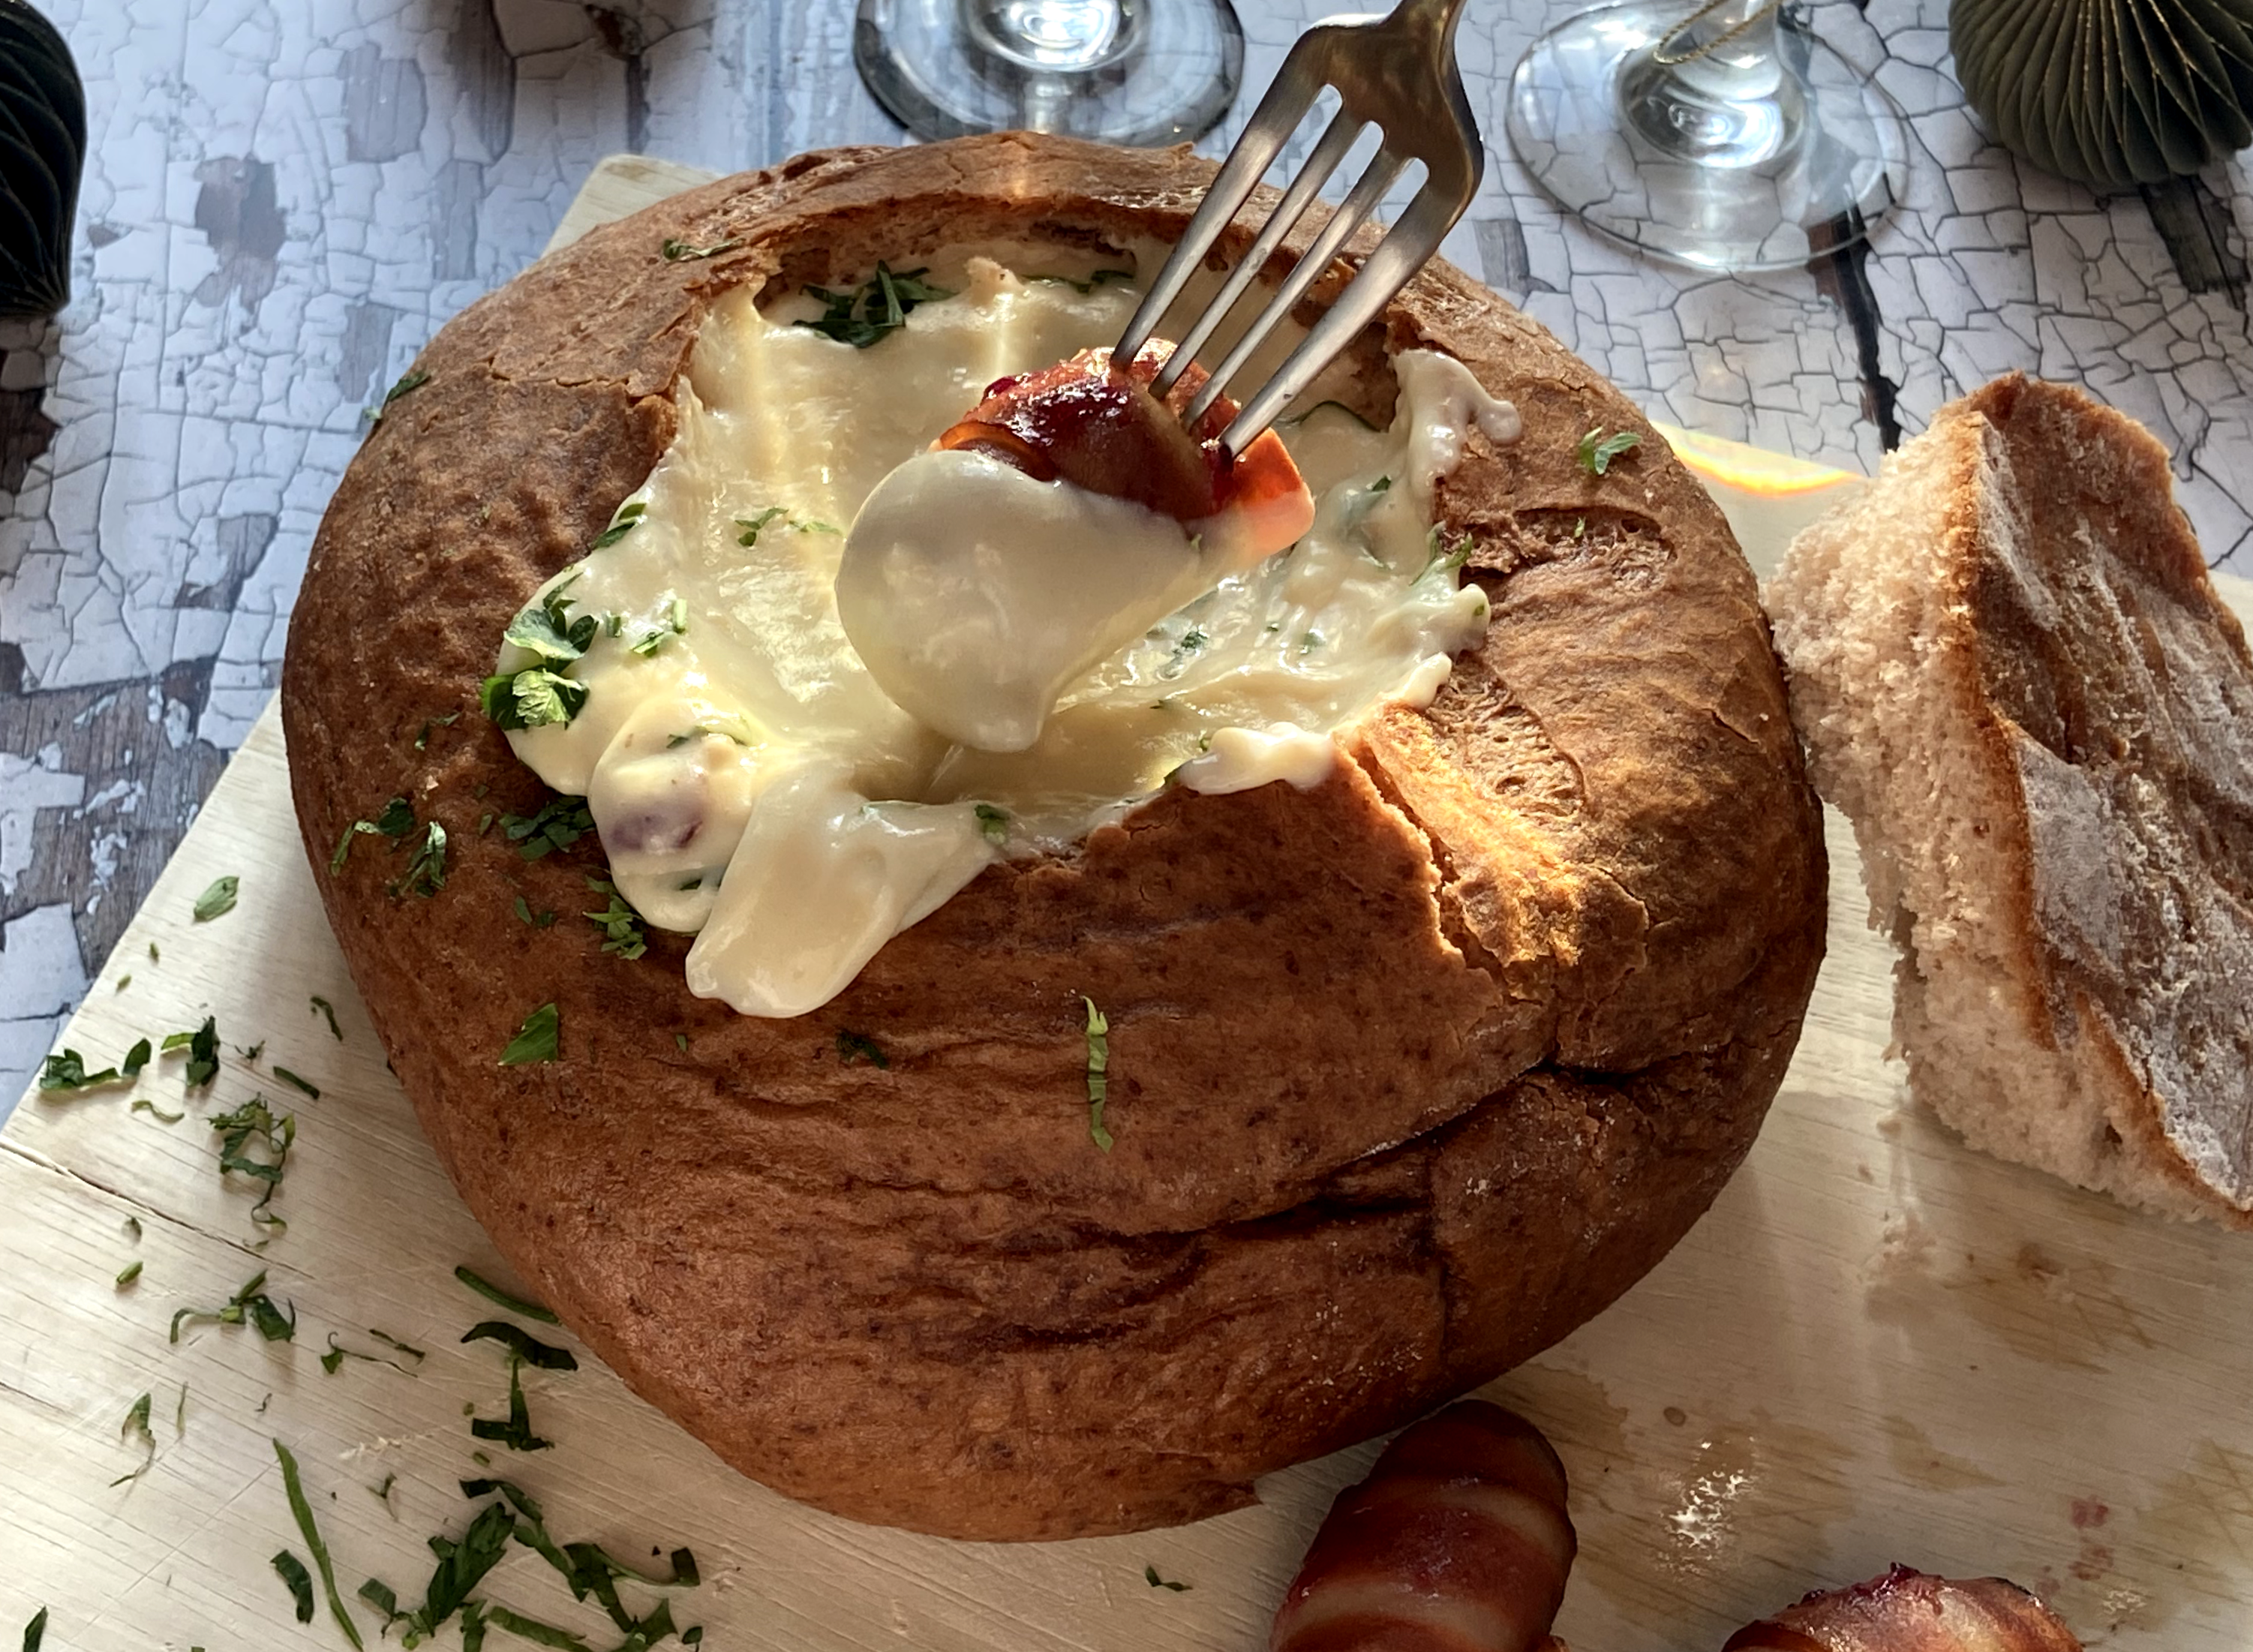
(1411, 1073)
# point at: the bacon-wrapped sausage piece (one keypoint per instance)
(1907, 1611)
(1457, 1542)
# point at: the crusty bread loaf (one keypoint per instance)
(1410, 1073)
(2013, 673)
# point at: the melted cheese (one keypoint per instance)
(753, 782)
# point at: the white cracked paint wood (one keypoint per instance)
(1878, 1346)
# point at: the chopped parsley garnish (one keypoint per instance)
(254, 1122)
(250, 1306)
(136, 1058)
(395, 822)
(422, 740)
(413, 379)
(675, 624)
(202, 1045)
(617, 921)
(681, 1042)
(500, 1298)
(144, 1104)
(1597, 451)
(291, 1078)
(426, 869)
(137, 1422)
(1310, 642)
(1190, 643)
(300, 1581)
(1439, 561)
(522, 1345)
(1150, 1576)
(627, 519)
(36, 1630)
(851, 1047)
(1099, 1070)
(546, 630)
(127, 1274)
(560, 823)
(536, 920)
(68, 1071)
(877, 306)
(515, 1432)
(532, 698)
(304, 1512)
(217, 899)
(751, 525)
(383, 1496)
(536, 1040)
(675, 251)
(993, 823)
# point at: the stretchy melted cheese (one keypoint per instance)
(753, 785)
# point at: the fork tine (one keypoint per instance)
(1265, 134)
(1397, 257)
(1362, 201)
(1328, 154)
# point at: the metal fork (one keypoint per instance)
(1397, 72)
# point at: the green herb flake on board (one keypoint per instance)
(537, 1039)
(137, 1057)
(36, 1630)
(251, 1125)
(303, 1512)
(293, 1572)
(218, 899)
(137, 1422)
(68, 1071)
(128, 1274)
(144, 1104)
(1099, 1073)
(250, 1306)
(295, 1082)
(515, 1431)
(500, 1298)
(1150, 1576)
(522, 1345)
(1597, 451)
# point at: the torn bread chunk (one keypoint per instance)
(2014, 676)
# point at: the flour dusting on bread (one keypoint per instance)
(2013, 674)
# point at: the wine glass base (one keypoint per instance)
(1758, 185)
(1166, 76)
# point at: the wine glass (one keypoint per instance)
(1135, 71)
(1726, 137)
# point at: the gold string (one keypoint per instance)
(1665, 56)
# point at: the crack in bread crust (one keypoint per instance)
(1350, 1175)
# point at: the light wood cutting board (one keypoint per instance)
(1880, 1346)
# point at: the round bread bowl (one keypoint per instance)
(1411, 1073)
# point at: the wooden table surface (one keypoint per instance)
(1880, 1346)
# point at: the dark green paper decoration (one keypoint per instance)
(42, 148)
(2113, 92)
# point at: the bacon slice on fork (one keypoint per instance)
(1096, 425)
(1457, 1542)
